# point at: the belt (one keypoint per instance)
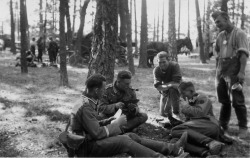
(228, 58)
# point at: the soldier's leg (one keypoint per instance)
(174, 99)
(121, 144)
(240, 108)
(164, 108)
(224, 99)
(134, 122)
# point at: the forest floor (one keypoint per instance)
(34, 109)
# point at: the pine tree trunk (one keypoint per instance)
(80, 30)
(69, 31)
(63, 64)
(44, 28)
(171, 31)
(74, 17)
(207, 42)
(224, 6)
(136, 41)
(242, 15)
(154, 33)
(233, 8)
(188, 33)
(158, 24)
(104, 43)
(123, 25)
(12, 25)
(131, 66)
(23, 28)
(41, 16)
(179, 18)
(162, 35)
(27, 26)
(144, 36)
(201, 43)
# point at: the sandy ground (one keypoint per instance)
(34, 109)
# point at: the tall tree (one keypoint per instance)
(41, 17)
(242, 15)
(154, 32)
(204, 16)
(69, 31)
(44, 27)
(12, 26)
(131, 66)
(188, 33)
(123, 25)
(23, 28)
(158, 23)
(63, 64)
(237, 11)
(179, 17)
(172, 30)
(162, 35)
(233, 8)
(201, 43)
(74, 17)
(17, 20)
(104, 39)
(81, 27)
(136, 45)
(224, 5)
(144, 35)
(27, 26)
(207, 39)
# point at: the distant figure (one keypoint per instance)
(30, 57)
(33, 46)
(40, 47)
(52, 50)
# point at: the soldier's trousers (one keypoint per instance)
(133, 122)
(169, 102)
(124, 144)
(200, 133)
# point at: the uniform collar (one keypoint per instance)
(115, 87)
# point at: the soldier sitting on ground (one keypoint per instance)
(120, 95)
(29, 59)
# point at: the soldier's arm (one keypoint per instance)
(105, 107)
(200, 109)
(158, 81)
(93, 127)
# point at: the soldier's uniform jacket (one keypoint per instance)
(113, 96)
(202, 108)
(85, 121)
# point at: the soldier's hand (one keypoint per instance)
(241, 77)
(122, 120)
(119, 105)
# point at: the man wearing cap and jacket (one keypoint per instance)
(233, 51)
(120, 95)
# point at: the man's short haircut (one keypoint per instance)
(184, 85)
(220, 13)
(95, 81)
(162, 54)
(124, 75)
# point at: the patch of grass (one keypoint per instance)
(7, 149)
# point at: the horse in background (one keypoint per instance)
(183, 46)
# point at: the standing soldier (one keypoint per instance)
(233, 51)
(40, 47)
(33, 46)
(52, 50)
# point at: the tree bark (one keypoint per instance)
(131, 66)
(122, 4)
(80, 30)
(201, 43)
(162, 35)
(63, 64)
(179, 19)
(12, 25)
(242, 15)
(74, 17)
(207, 42)
(41, 17)
(23, 28)
(69, 31)
(136, 41)
(158, 24)
(188, 33)
(104, 43)
(144, 36)
(224, 6)
(171, 31)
